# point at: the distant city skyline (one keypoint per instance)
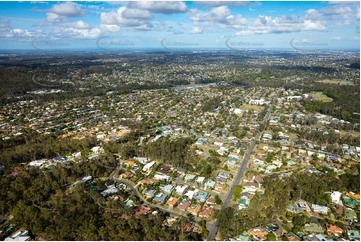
(172, 25)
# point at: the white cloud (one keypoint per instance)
(126, 17)
(67, 9)
(336, 38)
(223, 3)
(78, 25)
(164, 7)
(282, 24)
(8, 32)
(312, 14)
(60, 13)
(76, 33)
(220, 16)
(342, 15)
(196, 30)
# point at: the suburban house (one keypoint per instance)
(303, 205)
(206, 212)
(334, 230)
(148, 166)
(201, 196)
(166, 189)
(180, 189)
(209, 184)
(149, 193)
(189, 177)
(161, 177)
(183, 205)
(313, 228)
(191, 193)
(258, 233)
(19, 236)
(160, 197)
(109, 191)
(320, 209)
(194, 210)
(172, 201)
(141, 210)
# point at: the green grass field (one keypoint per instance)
(336, 82)
(319, 96)
(251, 107)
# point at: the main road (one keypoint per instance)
(214, 228)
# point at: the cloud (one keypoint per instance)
(67, 9)
(75, 33)
(336, 38)
(196, 30)
(126, 17)
(78, 25)
(220, 16)
(281, 24)
(164, 7)
(341, 15)
(59, 13)
(223, 3)
(8, 32)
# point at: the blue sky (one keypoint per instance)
(176, 25)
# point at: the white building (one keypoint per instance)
(148, 166)
(19, 236)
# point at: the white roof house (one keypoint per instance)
(180, 189)
(190, 194)
(19, 236)
(200, 179)
(148, 166)
(161, 177)
(319, 209)
(336, 197)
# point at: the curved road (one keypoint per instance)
(214, 229)
(136, 193)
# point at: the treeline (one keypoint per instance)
(211, 104)
(36, 146)
(330, 138)
(40, 204)
(278, 193)
(345, 103)
(175, 152)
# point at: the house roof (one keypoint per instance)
(183, 205)
(189, 177)
(206, 212)
(353, 235)
(209, 183)
(172, 201)
(313, 227)
(160, 197)
(202, 196)
(141, 210)
(319, 208)
(332, 229)
(195, 209)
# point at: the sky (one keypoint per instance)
(171, 25)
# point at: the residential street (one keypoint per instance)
(243, 167)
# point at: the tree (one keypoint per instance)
(271, 237)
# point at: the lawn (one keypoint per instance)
(251, 107)
(319, 96)
(336, 82)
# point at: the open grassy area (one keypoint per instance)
(251, 107)
(319, 96)
(336, 82)
(352, 133)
